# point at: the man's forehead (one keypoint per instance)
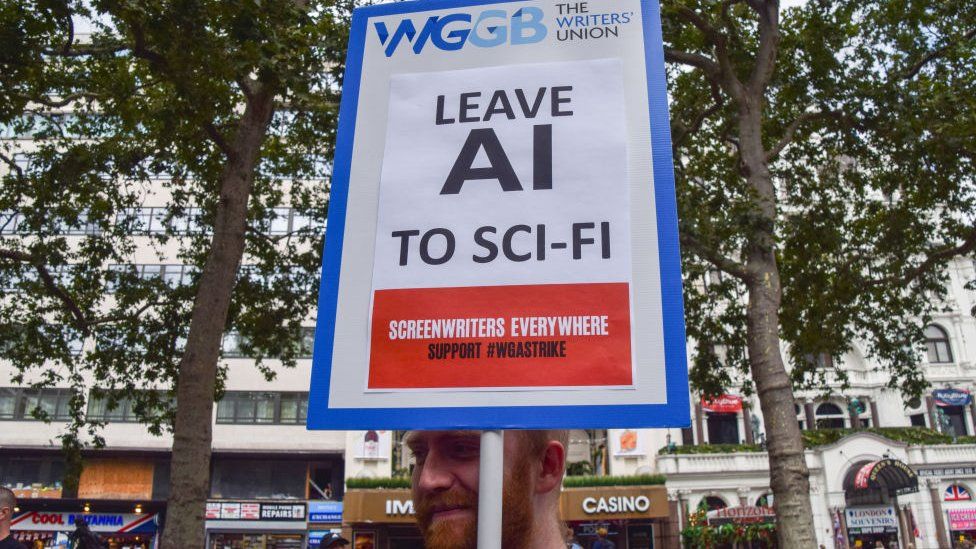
(421, 437)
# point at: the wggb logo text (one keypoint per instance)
(451, 32)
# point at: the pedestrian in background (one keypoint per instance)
(7, 503)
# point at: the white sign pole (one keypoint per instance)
(490, 487)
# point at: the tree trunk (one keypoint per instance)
(193, 429)
(789, 477)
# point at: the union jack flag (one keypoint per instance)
(957, 493)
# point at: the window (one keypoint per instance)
(18, 472)
(957, 492)
(116, 408)
(956, 417)
(713, 277)
(153, 220)
(829, 416)
(171, 275)
(283, 221)
(258, 479)
(231, 346)
(714, 503)
(918, 420)
(234, 344)
(307, 343)
(801, 416)
(9, 221)
(19, 404)
(819, 360)
(262, 408)
(723, 428)
(937, 345)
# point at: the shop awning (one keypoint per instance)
(889, 476)
(741, 515)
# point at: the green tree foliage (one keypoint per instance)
(824, 162)
(218, 114)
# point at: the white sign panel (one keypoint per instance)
(502, 246)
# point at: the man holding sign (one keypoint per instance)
(502, 250)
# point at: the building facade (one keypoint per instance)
(275, 484)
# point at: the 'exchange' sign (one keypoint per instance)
(502, 232)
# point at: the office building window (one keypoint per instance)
(115, 407)
(21, 404)
(262, 408)
(234, 344)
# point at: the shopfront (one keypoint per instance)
(633, 516)
(116, 530)
(868, 525)
(381, 519)
(873, 514)
(256, 525)
(962, 524)
(324, 517)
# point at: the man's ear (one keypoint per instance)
(553, 467)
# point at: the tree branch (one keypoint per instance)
(709, 67)
(933, 258)
(160, 64)
(13, 165)
(78, 317)
(729, 80)
(790, 132)
(246, 86)
(71, 35)
(122, 317)
(914, 69)
(769, 36)
(214, 134)
(727, 19)
(730, 266)
(680, 132)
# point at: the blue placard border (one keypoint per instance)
(675, 413)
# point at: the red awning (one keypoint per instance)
(724, 404)
(741, 515)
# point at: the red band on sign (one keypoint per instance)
(554, 335)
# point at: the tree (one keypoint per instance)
(216, 113)
(824, 165)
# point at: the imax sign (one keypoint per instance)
(451, 32)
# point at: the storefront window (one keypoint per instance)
(256, 541)
(26, 472)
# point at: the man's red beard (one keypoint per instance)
(462, 532)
